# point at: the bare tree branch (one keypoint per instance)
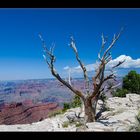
(120, 62)
(102, 47)
(52, 48)
(102, 72)
(115, 38)
(99, 76)
(77, 92)
(111, 76)
(113, 86)
(81, 64)
(54, 72)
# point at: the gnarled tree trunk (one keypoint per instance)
(89, 111)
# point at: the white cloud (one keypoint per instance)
(78, 69)
(92, 67)
(66, 68)
(129, 63)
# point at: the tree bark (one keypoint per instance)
(89, 111)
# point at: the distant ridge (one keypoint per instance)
(81, 78)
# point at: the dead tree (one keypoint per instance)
(89, 99)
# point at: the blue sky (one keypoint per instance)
(21, 49)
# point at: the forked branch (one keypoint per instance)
(51, 57)
(99, 77)
(115, 38)
(81, 64)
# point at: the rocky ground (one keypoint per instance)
(121, 115)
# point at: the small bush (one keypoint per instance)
(103, 97)
(66, 106)
(107, 108)
(65, 124)
(131, 82)
(54, 113)
(76, 102)
(138, 116)
(78, 124)
(120, 93)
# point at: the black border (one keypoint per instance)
(69, 4)
(70, 135)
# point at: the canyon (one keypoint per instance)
(29, 101)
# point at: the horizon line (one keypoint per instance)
(45, 79)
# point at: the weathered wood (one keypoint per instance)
(90, 99)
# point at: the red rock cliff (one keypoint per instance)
(25, 113)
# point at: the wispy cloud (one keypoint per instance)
(66, 68)
(129, 63)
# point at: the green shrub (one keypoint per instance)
(138, 116)
(76, 102)
(65, 124)
(66, 106)
(120, 93)
(103, 97)
(78, 124)
(131, 82)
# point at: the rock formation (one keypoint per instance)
(121, 114)
(26, 112)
